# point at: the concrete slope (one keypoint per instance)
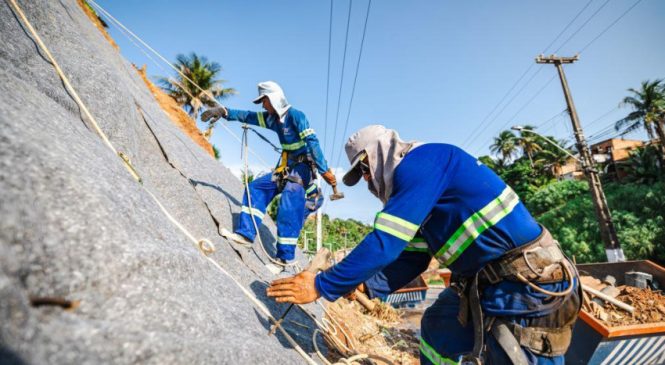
(75, 225)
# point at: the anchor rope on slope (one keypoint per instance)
(204, 245)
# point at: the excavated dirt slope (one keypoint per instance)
(75, 227)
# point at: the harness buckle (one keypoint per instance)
(490, 274)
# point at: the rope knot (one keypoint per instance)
(206, 246)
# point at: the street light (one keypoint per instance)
(521, 129)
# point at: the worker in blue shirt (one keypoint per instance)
(514, 296)
(301, 159)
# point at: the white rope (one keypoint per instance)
(249, 202)
(207, 93)
(204, 245)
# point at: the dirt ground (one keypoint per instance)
(649, 305)
(176, 114)
(384, 333)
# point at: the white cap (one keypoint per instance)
(274, 92)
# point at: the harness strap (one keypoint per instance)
(478, 324)
(506, 339)
(543, 341)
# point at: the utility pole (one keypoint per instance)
(319, 230)
(607, 231)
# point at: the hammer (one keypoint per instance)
(319, 263)
(336, 195)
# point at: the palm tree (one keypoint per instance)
(505, 145)
(529, 143)
(552, 156)
(204, 74)
(648, 105)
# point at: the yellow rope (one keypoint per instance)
(124, 30)
(204, 245)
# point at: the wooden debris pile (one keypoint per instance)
(379, 332)
(648, 305)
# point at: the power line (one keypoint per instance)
(325, 123)
(483, 122)
(601, 117)
(341, 79)
(524, 106)
(355, 78)
(582, 26)
(496, 106)
(496, 116)
(589, 19)
(610, 26)
(551, 118)
(567, 26)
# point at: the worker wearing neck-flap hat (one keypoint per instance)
(301, 160)
(514, 296)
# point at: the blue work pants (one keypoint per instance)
(291, 209)
(444, 340)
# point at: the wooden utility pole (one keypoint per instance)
(607, 231)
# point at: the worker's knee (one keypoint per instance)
(442, 336)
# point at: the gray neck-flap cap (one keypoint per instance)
(274, 92)
(384, 149)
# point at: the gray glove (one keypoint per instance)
(214, 113)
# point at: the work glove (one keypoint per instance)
(214, 113)
(329, 177)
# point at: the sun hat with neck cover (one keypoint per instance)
(274, 93)
(384, 151)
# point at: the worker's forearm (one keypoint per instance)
(374, 252)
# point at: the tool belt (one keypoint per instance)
(540, 261)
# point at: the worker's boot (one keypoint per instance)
(279, 267)
(236, 238)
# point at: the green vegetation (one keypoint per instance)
(638, 211)
(648, 104)
(337, 233)
(204, 74)
(529, 163)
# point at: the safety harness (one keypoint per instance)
(538, 262)
(282, 173)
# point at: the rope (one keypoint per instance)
(274, 147)
(127, 31)
(249, 200)
(204, 245)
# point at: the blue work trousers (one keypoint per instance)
(291, 209)
(444, 340)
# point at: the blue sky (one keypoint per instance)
(432, 70)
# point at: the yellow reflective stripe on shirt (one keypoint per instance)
(262, 122)
(395, 226)
(293, 146)
(257, 213)
(434, 356)
(417, 244)
(306, 132)
(310, 189)
(476, 224)
(287, 241)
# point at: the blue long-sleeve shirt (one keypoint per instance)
(294, 132)
(445, 204)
